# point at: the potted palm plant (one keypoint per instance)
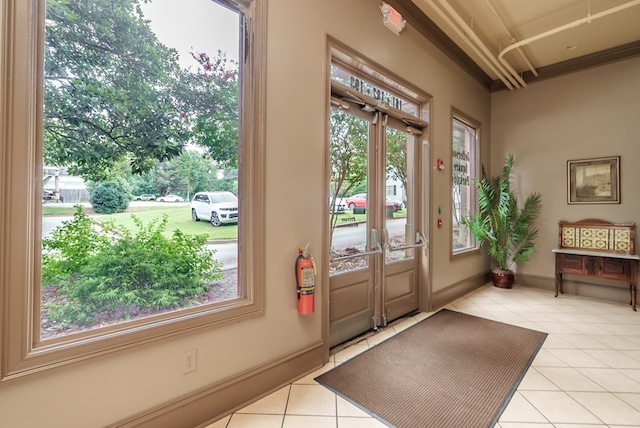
(507, 229)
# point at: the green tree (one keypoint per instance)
(192, 172)
(110, 90)
(348, 137)
(189, 172)
(227, 181)
(142, 183)
(108, 197)
(396, 142)
(166, 183)
(210, 96)
(113, 93)
(361, 187)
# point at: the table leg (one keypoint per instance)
(558, 283)
(559, 263)
(633, 282)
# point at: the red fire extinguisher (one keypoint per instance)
(305, 281)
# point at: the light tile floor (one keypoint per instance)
(587, 373)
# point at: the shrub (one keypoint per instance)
(71, 246)
(108, 197)
(116, 278)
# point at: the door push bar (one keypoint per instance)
(377, 249)
(420, 243)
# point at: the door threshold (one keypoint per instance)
(367, 334)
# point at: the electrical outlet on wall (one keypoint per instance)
(189, 362)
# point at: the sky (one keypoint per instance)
(194, 25)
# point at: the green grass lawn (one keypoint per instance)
(178, 217)
(57, 210)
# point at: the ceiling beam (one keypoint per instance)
(606, 56)
(425, 26)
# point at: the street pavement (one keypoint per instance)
(226, 252)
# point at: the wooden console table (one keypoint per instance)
(599, 249)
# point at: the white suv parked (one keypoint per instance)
(217, 207)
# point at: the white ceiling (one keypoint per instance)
(483, 29)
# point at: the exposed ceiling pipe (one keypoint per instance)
(501, 74)
(573, 24)
(511, 38)
(506, 69)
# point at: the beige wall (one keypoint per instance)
(589, 114)
(104, 390)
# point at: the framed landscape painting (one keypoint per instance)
(594, 181)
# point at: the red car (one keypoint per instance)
(360, 201)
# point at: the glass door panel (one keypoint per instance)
(353, 243)
(398, 200)
(349, 215)
(402, 240)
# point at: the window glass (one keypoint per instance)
(140, 99)
(110, 114)
(464, 153)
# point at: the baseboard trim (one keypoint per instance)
(447, 295)
(596, 288)
(536, 281)
(213, 402)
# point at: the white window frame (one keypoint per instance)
(21, 65)
(473, 175)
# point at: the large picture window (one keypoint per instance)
(138, 107)
(464, 161)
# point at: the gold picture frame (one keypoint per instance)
(594, 181)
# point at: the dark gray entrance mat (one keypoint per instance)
(449, 370)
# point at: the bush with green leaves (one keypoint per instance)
(108, 197)
(104, 275)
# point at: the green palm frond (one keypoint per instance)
(507, 229)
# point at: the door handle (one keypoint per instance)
(374, 238)
(385, 238)
(420, 243)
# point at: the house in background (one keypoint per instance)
(68, 188)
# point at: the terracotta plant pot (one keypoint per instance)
(502, 278)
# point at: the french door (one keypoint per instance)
(376, 241)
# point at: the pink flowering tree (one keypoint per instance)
(115, 95)
(211, 109)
